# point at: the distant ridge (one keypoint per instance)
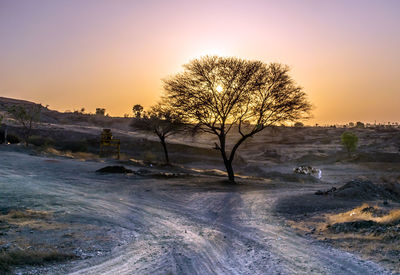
(47, 115)
(13, 101)
(52, 116)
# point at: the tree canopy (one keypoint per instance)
(160, 120)
(27, 116)
(219, 94)
(349, 141)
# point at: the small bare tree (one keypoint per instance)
(221, 94)
(161, 121)
(27, 116)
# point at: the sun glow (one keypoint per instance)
(219, 88)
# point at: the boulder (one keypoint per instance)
(114, 170)
(308, 170)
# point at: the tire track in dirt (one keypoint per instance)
(180, 226)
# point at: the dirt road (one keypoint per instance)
(187, 225)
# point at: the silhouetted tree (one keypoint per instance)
(359, 124)
(219, 94)
(100, 111)
(27, 116)
(349, 141)
(299, 124)
(137, 110)
(161, 121)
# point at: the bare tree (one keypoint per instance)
(221, 95)
(161, 121)
(27, 116)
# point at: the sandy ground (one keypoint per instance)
(189, 224)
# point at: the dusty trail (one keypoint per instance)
(179, 226)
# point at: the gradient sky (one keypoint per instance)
(113, 54)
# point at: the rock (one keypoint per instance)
(364, 189)
(308, 170)
(327, 192)
(114, 170)
(361, 190)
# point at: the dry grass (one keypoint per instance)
(83, 156)
(369, 230)
(359, 214)
(28, 214)
(39, 220)
(11, 259)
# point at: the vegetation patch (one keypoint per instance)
(370, 230)
(10, 259)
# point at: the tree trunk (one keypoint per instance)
(229, 170)
(165, 149)
(26, 140)
(227, 162)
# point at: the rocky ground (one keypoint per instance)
(58, 215)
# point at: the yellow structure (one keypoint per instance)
(108, 141)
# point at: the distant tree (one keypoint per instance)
(351, 124)
(224, 94)
(137, 110)
(299, 124)
(82, 110)
(162, 121)
(100, 111)
(349, 141)
(126, 115)
(359, 124)
(27, 116)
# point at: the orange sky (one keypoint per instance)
(113, 54)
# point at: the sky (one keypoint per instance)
(114, 54)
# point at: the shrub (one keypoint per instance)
(9, 259)
(359, 124)
(27, 117)
(13, 139)
(41, 141)
(75, 146)
(299, 124)
(149, 157)
(349, 141)
(94, 142)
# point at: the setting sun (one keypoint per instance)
(219, 88)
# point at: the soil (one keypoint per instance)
(184, 218)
